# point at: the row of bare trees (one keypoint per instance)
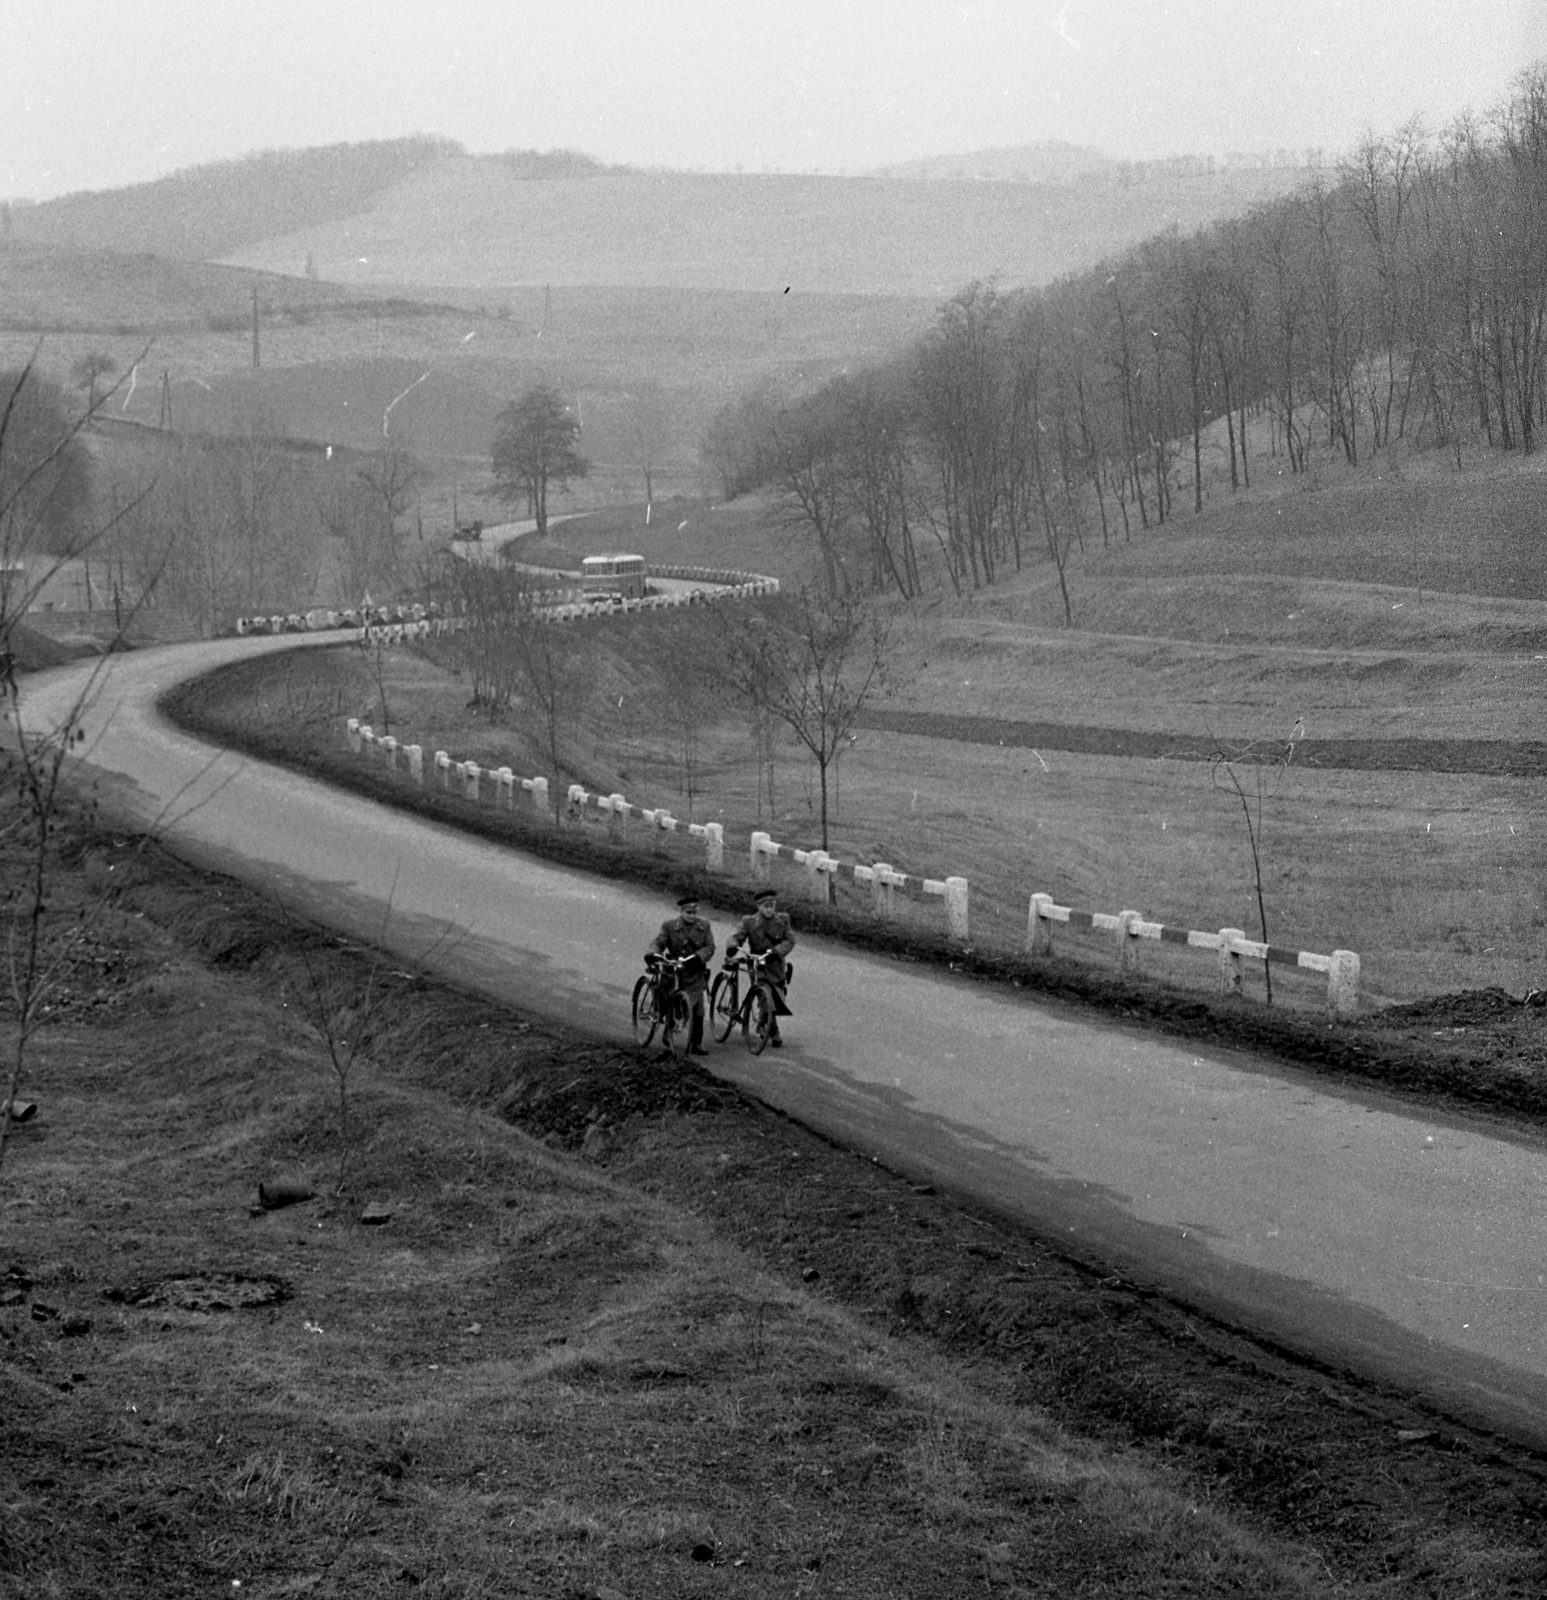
(242, 524)
(805, 663)
(1401, 298)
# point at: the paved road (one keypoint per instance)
(1408, 1248)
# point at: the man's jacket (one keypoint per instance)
(766, 936)
(688, 936)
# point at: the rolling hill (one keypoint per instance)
(421, 212)
(409, 277)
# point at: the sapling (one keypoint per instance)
(34, 471)
(1265, 762)
(346, 1015)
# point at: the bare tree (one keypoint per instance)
(960, 386)
(1263, 763)
(693, 701)
(810, 661)
(89, 371)
(495, 601)
(535, 449)
(807, 472)
(45, 473)
(877, 481)
(390, 480)
(649, 432)
(556, 682)
(32, 764)
(736, 449)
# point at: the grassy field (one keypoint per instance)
(473, 221)
(1434, 876)
(333, 358)
(575, 1325)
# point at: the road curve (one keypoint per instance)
(1404, 1247)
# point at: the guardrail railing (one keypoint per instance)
(820, 869)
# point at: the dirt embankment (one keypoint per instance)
(1499, 758)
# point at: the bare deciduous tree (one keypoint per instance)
(89, 371)
(649, 432)
(390, 481)
(1263, 763)
(810, 661)
(32, 762)
(535, 449)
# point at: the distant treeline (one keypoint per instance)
(551, 164)
(1399, 297)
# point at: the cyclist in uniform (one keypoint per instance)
(767, 933)
(688, 934)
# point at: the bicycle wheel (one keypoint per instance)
(724, 1003)
(760, 1019)
(645, 1017)
(679, 1025)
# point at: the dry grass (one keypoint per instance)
(1434, 878)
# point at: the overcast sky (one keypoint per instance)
(100, 93)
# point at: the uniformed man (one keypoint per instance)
(767, 933)
(688, 934)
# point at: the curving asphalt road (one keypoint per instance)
(1407, 1248)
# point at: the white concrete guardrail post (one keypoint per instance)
(714, 846)
(1039, 926)
(504, 789)
(539, 796)
(471, 773)
(443, 770)
(415, 754)
(367, 741)
(352, 730)
(816, 884)
(1229, 960)
(1128, 940)
(956, 908)
(881, 884)
(389, 752)
(761, 851)
(1343, 984)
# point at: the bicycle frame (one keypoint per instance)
(659, 1002)
(755, 1011)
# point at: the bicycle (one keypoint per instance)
(756, 1012)
(660, 1003)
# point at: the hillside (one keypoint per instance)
(419, 212)
(470, 222)
(333, 359)
(60, 289)
(211, 210)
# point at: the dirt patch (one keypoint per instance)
(203, 1291)
(1512, 758)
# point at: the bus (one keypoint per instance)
(602, 577)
